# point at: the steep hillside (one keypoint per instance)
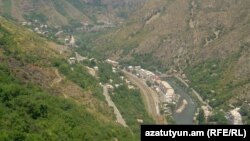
(67, 12)
(207, 40)
(41, 100)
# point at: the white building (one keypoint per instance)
(235, 116)
(164, 86)
(168, 92)
(207, 111)
(72, 60)
(112, 62)
(110, 87)
(170, 96)
(147, 75)
(70, 41)
(96, 68)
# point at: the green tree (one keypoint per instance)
(201, 117)
(218, 117)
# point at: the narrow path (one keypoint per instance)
(151, 98)
(117, 113)
(79, 57)
(58, 79)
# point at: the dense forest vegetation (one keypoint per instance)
(131, 105)
(29, 113)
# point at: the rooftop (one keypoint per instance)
(166, 85)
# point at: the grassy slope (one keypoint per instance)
(32, 108)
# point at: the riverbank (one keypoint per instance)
(187, 109)
(182, 106)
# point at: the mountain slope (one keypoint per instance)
(66, 12)
(206, 40)
(38, 99)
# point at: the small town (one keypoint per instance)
(165, 92)
(166, 101)
(168, 98)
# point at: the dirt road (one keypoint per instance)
(117, 113)
(150, 97)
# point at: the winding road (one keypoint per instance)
(117, 113)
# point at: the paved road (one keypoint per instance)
(150, 97)
(117, 113)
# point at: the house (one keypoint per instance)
(170, 96)
(207, 112)
(131, 87)
(140, 121)
(72, 60)
(36, 29)
(164, 86)
(110, 87)
(70, 42)
(112, 62)
(66, 41)
(235, 117)
(130, 68)
(114, 70)
(168, 91)
(117, 85)
(122, 77)
(96, 68)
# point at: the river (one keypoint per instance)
(186, 116)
